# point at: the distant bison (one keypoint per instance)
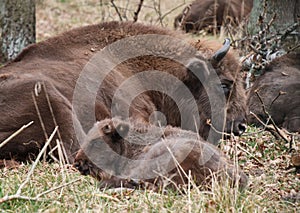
(120, 153)
(39, 85)
(211, 14)
(279, 90)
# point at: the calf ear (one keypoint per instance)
(121, 130)
(199, 68)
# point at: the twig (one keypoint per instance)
(20, 197)
(51, 110)
(279, 131)
(208, 122)
(251, 155)
(271, 22)
(293, 48)
(136, 14)
(56, 188)
(36, 198)
(34, 94)
(117, 10)
(186, 10)
(37, 160)
(279, 94)
(18, 193)
(158, 11)
(15, 134)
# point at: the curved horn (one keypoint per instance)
(220, 54)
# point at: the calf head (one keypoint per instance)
(101, 151)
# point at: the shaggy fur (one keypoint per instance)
(45, 74)
(116, 151)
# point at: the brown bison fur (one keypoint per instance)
(45, 74)
(226, 70)
(123, 153)
(279, 89)
(208, 14)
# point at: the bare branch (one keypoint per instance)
(117, 10)
(36, 161)
(186, 10)
(279, 94)
(278, 130)
(136, 14)
(15, 134)
(18, 193)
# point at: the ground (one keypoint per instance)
(57, 187)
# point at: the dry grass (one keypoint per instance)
(265, 159)
(269, 184)
(56, 16)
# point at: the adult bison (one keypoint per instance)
(210, 14)
(279, 91)
(42, 85)
(118, 153)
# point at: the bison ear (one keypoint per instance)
(199, 68)
(121, 130)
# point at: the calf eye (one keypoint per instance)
(226, 88)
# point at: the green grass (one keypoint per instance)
(269, 183)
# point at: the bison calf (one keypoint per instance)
(122, 153)
(279, 90)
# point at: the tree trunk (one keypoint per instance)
(17, 27)
(287, 13)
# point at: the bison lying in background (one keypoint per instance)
(120, 153)
(39, 85)
(279, 90)
(210, 14)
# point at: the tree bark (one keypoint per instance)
(287, 13)
(17, 27)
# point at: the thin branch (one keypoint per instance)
(186, 10)
(158, 11)
(279, 94)
(18, 193)
(293, 48)
(136, 14)
(15, 134)
(208, 122)
(37, 160)
(117, 10)
(278, 131)
(36, 198)
(251, 155)
(56, 188)
(15, 197)
(34, 94)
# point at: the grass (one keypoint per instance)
(60, 188)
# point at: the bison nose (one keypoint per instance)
(242, 128)
(237, 127)
(82, 167)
